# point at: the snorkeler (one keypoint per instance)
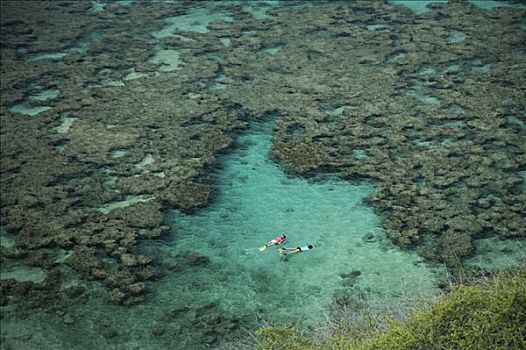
(279, 239)
(283, 251)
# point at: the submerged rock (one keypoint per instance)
(135, 260)
(117, 296)
(68, 319)
(193, 259)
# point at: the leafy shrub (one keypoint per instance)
(281, 338)
(487, 316)
(491, 315)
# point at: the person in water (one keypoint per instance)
(279, 239)
(283, 251)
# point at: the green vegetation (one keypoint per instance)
(490, 315)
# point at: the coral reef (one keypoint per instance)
(438, 123)
(439, 141)
(131, 147)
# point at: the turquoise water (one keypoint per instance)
(493, 253)
(256, 201)
(214, 282)
(419, 7)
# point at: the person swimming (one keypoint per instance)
(279, 239)
(283, 251)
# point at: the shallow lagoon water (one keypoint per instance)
(256, 200)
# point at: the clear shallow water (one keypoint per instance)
(256, 200)
(419, 7)
(493, 253)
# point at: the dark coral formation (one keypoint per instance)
(437, 122)
(93, 174)
(446, 145)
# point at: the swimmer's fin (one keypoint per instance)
(262, 248)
